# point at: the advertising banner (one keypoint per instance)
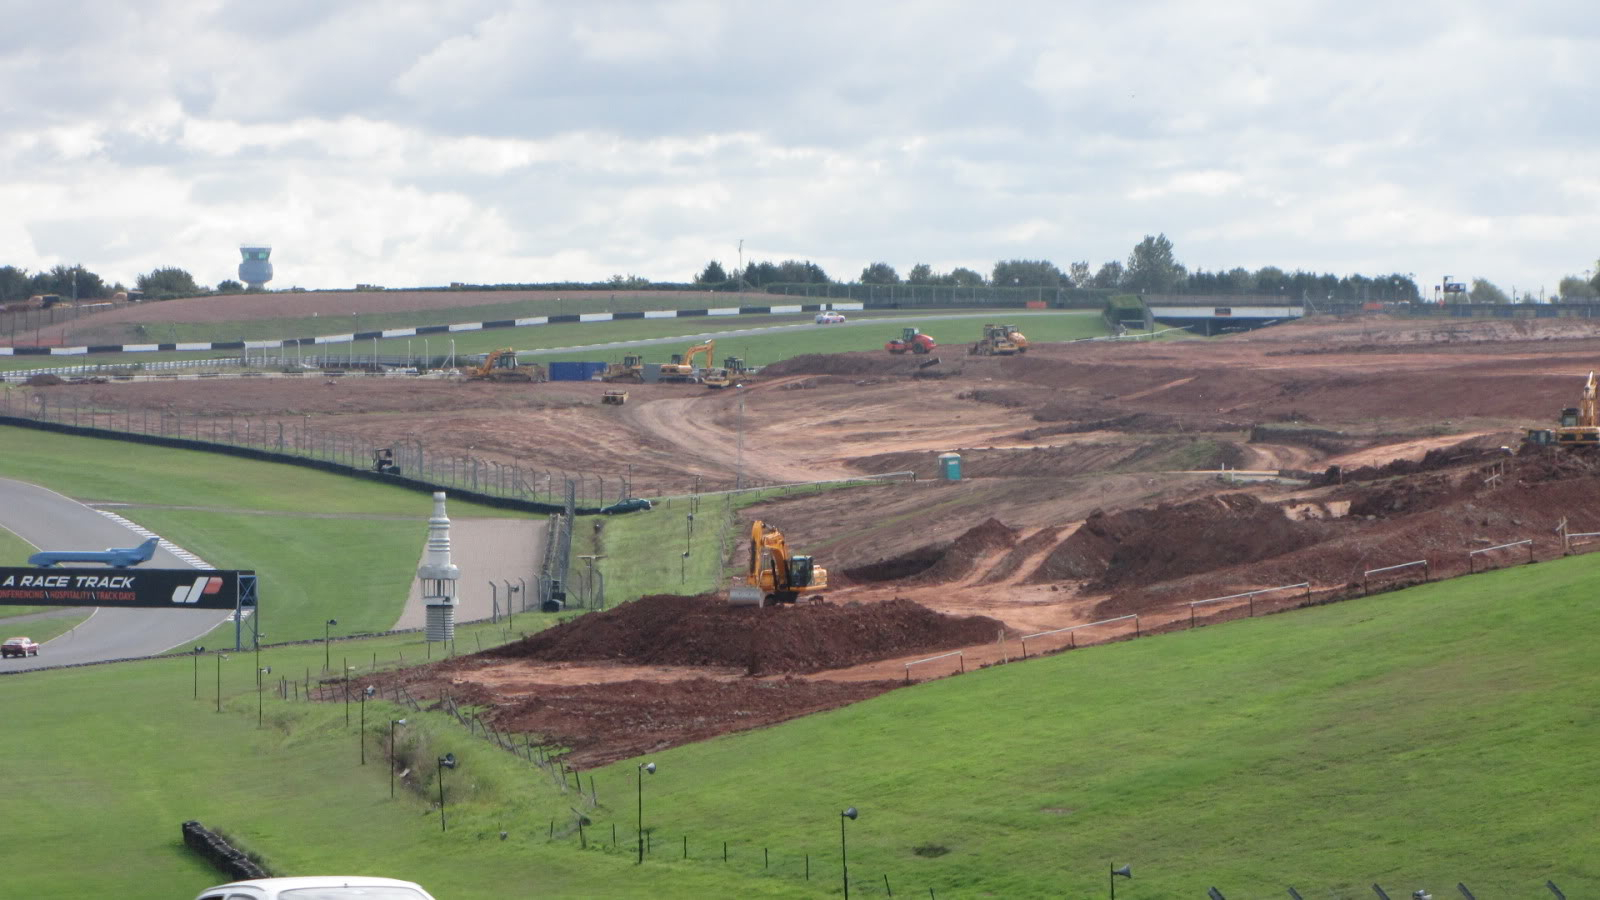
(152, 588)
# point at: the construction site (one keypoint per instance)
(1070, 494)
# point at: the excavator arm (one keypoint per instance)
(1588, 416)
(708, 348)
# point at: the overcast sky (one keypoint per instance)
(419, 143)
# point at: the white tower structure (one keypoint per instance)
(439, 576)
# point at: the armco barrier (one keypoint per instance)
(228, 859)
(290, 459)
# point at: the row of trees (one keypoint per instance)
(1151, 268)
(76, 281)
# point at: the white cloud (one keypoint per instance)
(413, 142)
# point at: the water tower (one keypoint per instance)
(255, 271)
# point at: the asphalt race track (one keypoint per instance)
(51, 521)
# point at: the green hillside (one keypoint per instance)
(1412, 739)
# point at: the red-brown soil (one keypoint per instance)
(1079, 500)
(705, 631)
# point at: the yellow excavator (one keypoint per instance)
(775, 576)
(502, 365)
(1580, 425)
(682, 367)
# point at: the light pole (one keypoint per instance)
(259, 682)
(844, 860)
(447, 761)
(364, 695)
(1125, 872)
(327, 635)
(392, 760)
(197, 652)
(644, 769)
(220, 658)
(738, 477)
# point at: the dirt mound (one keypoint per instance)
(846, 364)
(939, 563)
(1144, 546)
(1012, 562)
(44, 380)
(961, 558)
(704, 631)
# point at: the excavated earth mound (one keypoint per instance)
(704, 631)
(940, 563)
(1144, 546)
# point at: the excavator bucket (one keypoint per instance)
(743, 594)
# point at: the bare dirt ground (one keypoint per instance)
(1090, 486)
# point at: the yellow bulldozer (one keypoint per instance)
(631, 369)
(999, 340)
(502, 365)
(682, 367)
(774, 576)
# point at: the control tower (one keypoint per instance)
(255, 271)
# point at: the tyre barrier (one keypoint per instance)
(229, 860)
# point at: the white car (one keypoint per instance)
(319, 887)
(829, 318)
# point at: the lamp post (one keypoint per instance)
(644, 769)
(738, 475)
(844, 859)
(327, 635)
(259, 682)
(220, 658)
(392, 759)
(197, 652)
(447, 761)
(1125, 872)
(370, 690)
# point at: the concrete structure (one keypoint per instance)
(439, 576)
(1215, 315)
(255, 271)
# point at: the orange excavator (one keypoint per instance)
(774, 576)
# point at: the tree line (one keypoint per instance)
(1151, 268)
(67, 282)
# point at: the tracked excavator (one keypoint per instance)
(1580, 425)
(682, 368)
(774, 575)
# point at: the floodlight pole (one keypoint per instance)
(844, 858)
(392, 759)
(644, 768)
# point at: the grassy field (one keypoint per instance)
(14, 551)
(1413, 739)
(324, 546)
(760, 349)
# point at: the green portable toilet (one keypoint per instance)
(950, 466)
